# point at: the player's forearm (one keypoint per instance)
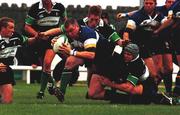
(54, 31)
(164, 25)
(126, 87)
(32, 40)
(32, 32)
(129, 88)
(85, 54)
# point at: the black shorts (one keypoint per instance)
(145, 51)
(42, 45)
(162, 44)
(161, 47)
(176, 40)
(7, 77)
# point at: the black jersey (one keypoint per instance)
(103, 29)
(144, 24)
(8, 47)
(141, 27)
(42, 20)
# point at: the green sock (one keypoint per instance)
(65, 78)
(44, 80)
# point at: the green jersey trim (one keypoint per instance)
(29, 20)
(114, 37)
(62, 28)
(132, 79)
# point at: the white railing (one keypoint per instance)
(27, 69)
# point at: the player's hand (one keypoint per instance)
(34, 66)
(43, 36)
(121, 15)
(53, 41)
(3, 67)
(65, 49)
(106, 82)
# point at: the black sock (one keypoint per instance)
(167, 78)
(177, 85)
(44, 80)
(65, 78)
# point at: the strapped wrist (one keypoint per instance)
(73, 52)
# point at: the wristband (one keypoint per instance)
(73, 52)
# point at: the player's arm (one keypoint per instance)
(52, 32)
(27, 41)
(123, 15)
(2, 67)
(129, 86)
(30, 30)
(88, 53)
(164, 25)
(130, 27)
(85, 54)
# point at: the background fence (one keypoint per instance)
(19, 13)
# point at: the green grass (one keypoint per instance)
(75, 103)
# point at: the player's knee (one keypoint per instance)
(7, 100)
(91, 94)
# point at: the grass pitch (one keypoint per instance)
(25, 103)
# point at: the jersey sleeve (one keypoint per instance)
(90, 41)
(23, 39)
(31, 16)
(110, 33)
(63, 11)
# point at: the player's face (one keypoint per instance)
(93, 20)
(46, 2)
(73, 31)
(128, 56)
(169, 3)
(7, 31)
(149, 6)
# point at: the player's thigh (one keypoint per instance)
(73, 62)
(95, 85)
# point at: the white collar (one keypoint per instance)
(135, 58)
(5, 39)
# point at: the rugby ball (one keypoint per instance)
(60, 40)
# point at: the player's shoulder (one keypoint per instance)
(59, 5)
(35, 5)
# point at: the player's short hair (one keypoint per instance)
(69, 22)
(95, 10)
(154, 1)
(4, 22)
